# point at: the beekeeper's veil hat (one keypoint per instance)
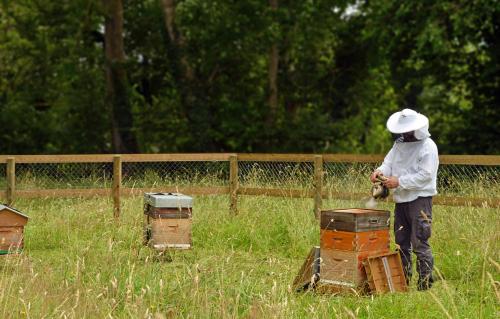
(409, 120)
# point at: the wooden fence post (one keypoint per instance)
(318, 184)
(233, 184)
(117, 185)
(11, 180)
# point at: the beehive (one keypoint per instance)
(347, 238)
(12, 224)
(168, 220)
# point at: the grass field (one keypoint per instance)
(79, 263)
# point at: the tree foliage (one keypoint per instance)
(198, 80)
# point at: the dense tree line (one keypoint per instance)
(93, 76)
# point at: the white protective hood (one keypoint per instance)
(406, 121)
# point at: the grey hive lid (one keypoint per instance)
(168, 200)
(2, 207)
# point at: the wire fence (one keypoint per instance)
(475, 179)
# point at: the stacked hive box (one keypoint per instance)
(167, 220)
(349, 236)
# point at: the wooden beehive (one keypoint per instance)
(12, 224)
(168, 221)
(385, 273)
(347, 238)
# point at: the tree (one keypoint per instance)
(124, 140)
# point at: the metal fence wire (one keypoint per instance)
(276, 174)
(347, 177)
(63, 175)
(472, 181)
(469, 180)
(185, 173)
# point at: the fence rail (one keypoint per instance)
(489, 160)
(463, 179)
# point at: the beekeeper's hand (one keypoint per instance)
(391, 182)
(374, 175)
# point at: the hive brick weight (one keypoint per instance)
(168, 220)
(355, 219)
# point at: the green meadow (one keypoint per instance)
(79, 262)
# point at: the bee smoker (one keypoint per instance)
(379, 190)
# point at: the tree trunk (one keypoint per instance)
(176, 38)
(123, 139)
(196, 111)
(273, 75)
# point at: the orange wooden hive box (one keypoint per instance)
(363, 241)
(12, 224)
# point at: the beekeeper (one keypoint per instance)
(411, 168)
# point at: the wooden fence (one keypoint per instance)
(318, 193)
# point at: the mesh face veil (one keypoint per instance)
(405, 137)
(413, 136)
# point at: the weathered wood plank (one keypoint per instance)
(117, 185)
(271, 192)
(345, 158)
(275, 157)
(276, 192)
(353, 158)
(318, 184)
(470, 159)
(45, 193)
(34, 159)
(177, 157)
(90, 192)
(233, 184)
(11, 180)
(108, 158)
(188, 190)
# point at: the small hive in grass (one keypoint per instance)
(167, 220)
(12, 224)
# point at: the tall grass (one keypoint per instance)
(79, 263)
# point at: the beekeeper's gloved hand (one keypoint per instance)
(374, 175)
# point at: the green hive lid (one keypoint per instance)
(168, 200)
